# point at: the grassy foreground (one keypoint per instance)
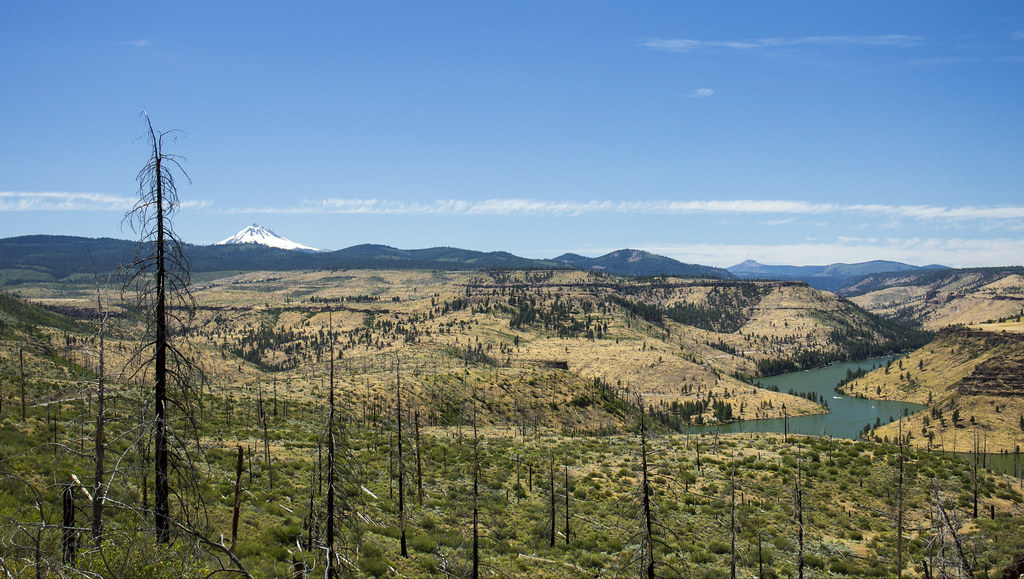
(699, 484)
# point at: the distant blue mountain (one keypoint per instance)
(825, 277)
(636, 262)
(55, 257)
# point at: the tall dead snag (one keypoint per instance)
(476, 495)
(238, 497)
(551, 478)
(266, 437)
(899, 510)
(401, 462)
(975, 476)
(98, 486)
(645, 497)
(69, 536)
(419, 462)
(798, 498)
(21, 363)
(567, 505)
(732, 521)
(159, 274)
(330, 462)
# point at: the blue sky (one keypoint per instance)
(711, 132)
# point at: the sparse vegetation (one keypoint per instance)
(265, 342)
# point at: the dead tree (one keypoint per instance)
(798, 506)
(99, 490)
(645, 498)
(899, 509)
(419, 462)
(732, 521)
(21, 363)
(551, 478)
(69, 536)
(975, 475)
(948, 524)
(401, 463)
(266, 436)
(160, 276)
(330, 465)
(238, 497)
(476, 495)
(567, 505)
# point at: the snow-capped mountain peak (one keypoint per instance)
(262, 236)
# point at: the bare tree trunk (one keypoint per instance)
(966, 566)
(330, 467)
(899, 511)
(69, 539)
(419, 462)
(238, 498)
(160, 274)
(519, 464)
(732, 522)
(99, 490)
(551, 478)
(800, 518)
(646, 498)
(401, 463)
(21, 361)
(266, 440)
(567, 505)
(476, 494)
(162, 506)
(975, 473)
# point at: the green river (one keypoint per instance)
(847, 416)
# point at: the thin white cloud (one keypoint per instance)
(941, 61)
(533, 207)
(701, 93)
(11, 201)
(140, 43)
(785, 209)
(545, 208)
(693, 45)
(59, 201)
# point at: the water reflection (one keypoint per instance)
(847, 417)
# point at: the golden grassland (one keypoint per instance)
(930, 376)
(965, 300)
(663, 364)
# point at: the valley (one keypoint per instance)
(576, 387)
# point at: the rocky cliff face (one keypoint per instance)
(1002, 375)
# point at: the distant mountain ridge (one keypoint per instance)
(640, 263)
(830, 277)
(941, 297)
(55, 257)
